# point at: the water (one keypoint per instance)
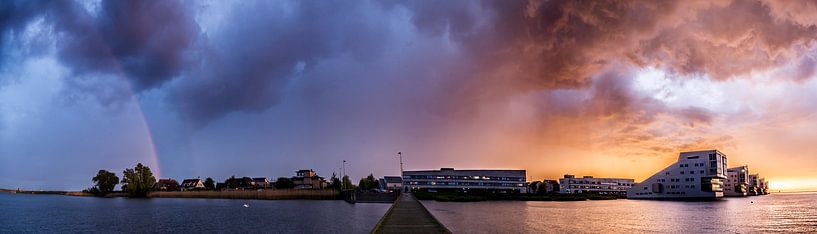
(770, 213)
(55, 213)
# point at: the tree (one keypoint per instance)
(347, 183)
(534, 186)
(232, 182)
(334, 182)
(284, 183)
(105, 183)
(368, 183)
(209, 184)
(140, 180)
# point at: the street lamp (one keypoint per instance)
(402, 184)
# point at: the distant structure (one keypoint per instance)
(696, 174)
(261, 183)
(758, 185)
(737, 182)
(394, 183)
(448, 179)
(166, 185)
(588, 184)
(192, 184)
(308, 179)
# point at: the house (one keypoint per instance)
(166, 185)
(308, 179)
(192, 184)
(261, 183)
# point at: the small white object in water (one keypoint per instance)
(246, 205)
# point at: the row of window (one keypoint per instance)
(676, 192)
(598, 187)
(687, 165)
(464, 177)
(450, 183)
(595, 182)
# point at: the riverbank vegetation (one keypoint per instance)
(105, 182)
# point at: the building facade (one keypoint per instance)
(192, 184)
(166, 185)
(696, 175)
(448, 179)
(737, 182)
(394, 183)
(308, 179)
(588, 184)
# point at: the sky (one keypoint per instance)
(265, 88)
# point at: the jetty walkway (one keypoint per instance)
(408, 215)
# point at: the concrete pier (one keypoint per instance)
(408, 215)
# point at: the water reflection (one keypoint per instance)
(772, 213)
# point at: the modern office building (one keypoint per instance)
(588, 184)
(696, 175)
(448, 179)
(737, 182)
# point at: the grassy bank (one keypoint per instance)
(269, 194)
(473, 197)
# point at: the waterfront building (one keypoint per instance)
(754, 181)
(166, 185)
(448, 179)
(763, 187)
(192, 184)
(261, 183)
(588, 184)
(696, 174)
(737, 182)
(390, 183)
(308, 179)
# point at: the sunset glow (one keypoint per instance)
(255, 88)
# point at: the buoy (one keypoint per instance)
(245, 205)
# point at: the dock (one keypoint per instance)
(408, 215)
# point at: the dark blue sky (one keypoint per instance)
(264, 88)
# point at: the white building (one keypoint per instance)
(390, 183)
(737, 182)
(696, 175)
(448, 179)
(588, 184)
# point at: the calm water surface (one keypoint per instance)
(55, 213)
(764, 214)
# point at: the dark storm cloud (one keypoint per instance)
(14, 17)
(245, 66)
(144, 41)
(507, 47)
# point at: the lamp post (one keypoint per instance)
(402, 185)
(400, 155)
